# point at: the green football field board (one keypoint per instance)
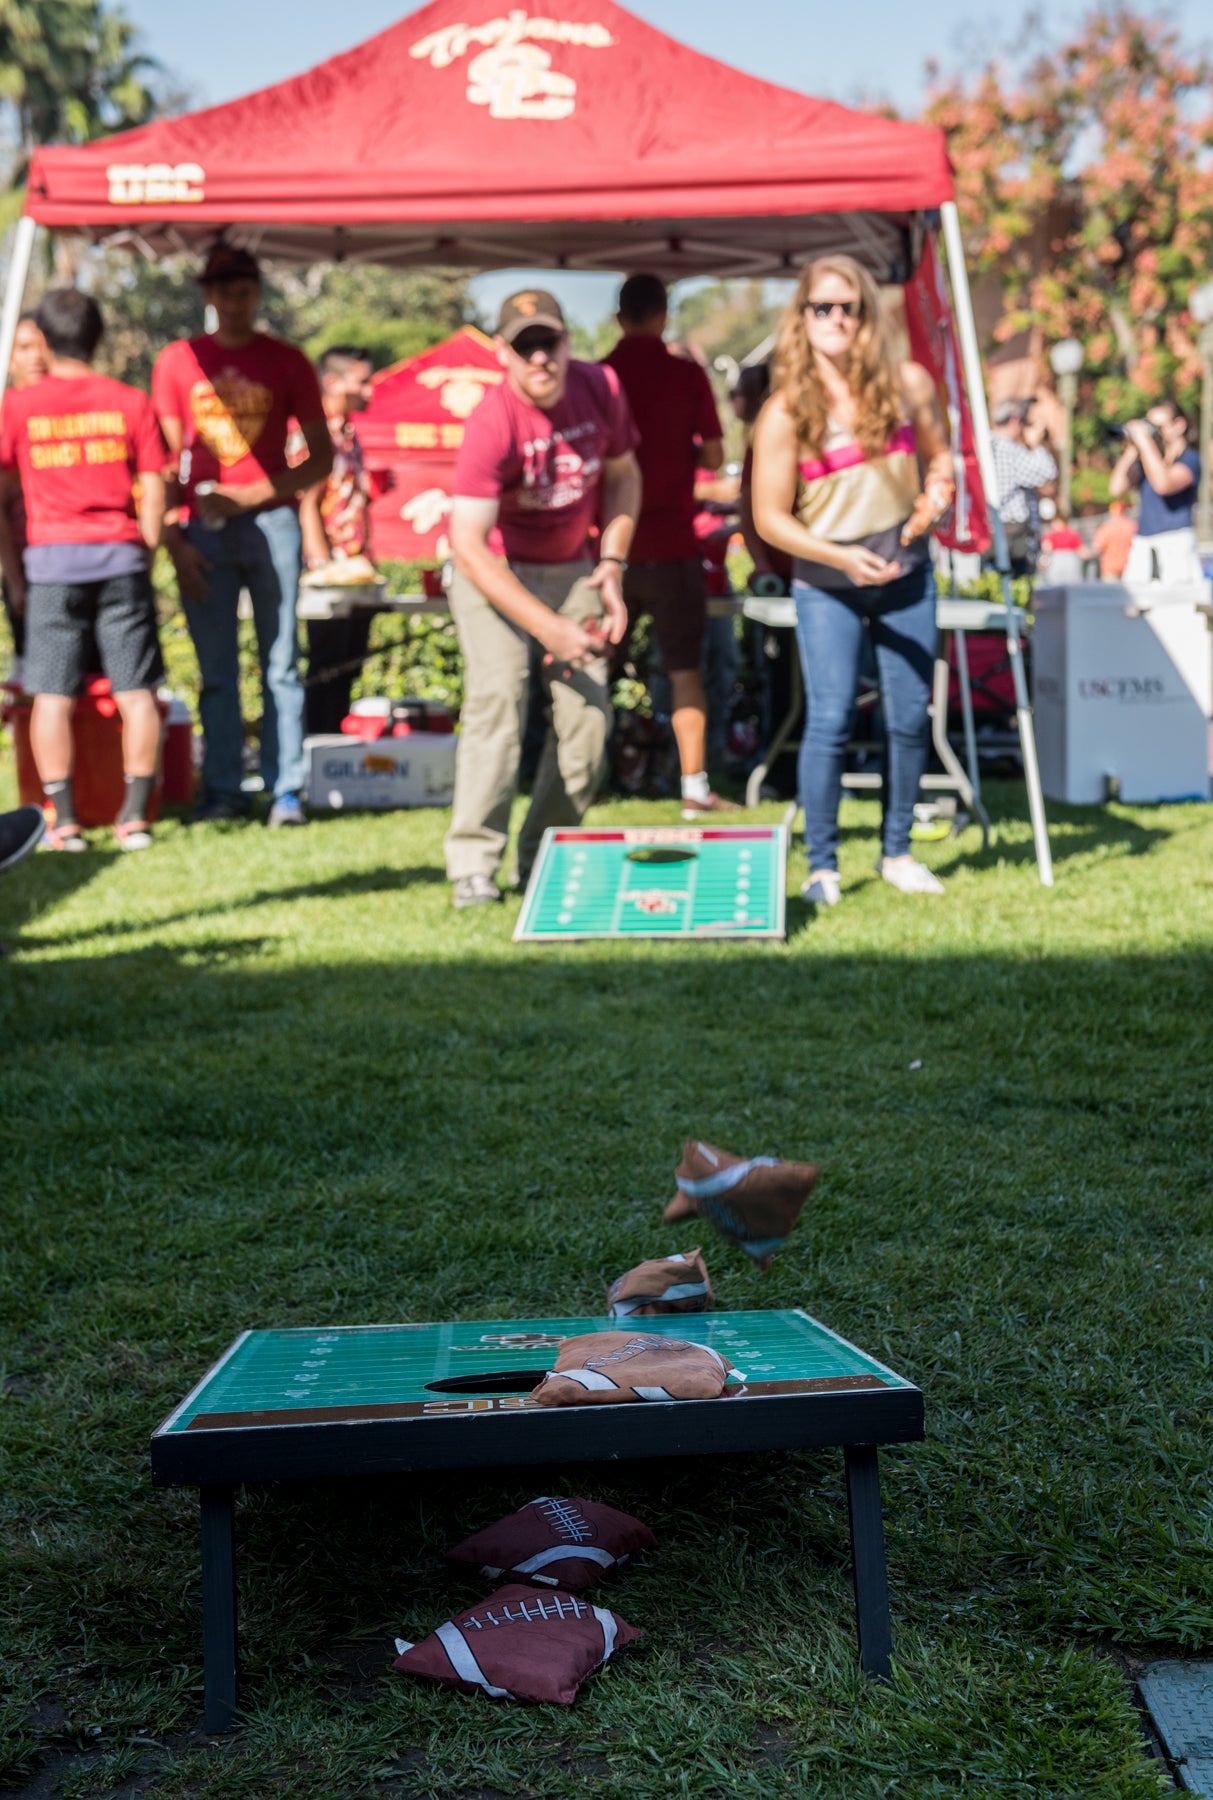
(347, 1373)
(721, 881)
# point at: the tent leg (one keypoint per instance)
(14, 291)
(971, 360)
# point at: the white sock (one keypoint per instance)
(695, 787)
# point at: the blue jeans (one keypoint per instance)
(263, 553)
(900, 619)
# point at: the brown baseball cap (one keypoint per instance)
(227, 263)
(530, 306)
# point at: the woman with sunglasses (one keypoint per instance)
(851, 469)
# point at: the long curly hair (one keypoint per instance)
(873, 374)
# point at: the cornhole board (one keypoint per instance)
(717, 881)
(306, 1404)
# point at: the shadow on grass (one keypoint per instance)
(1074, 832)
(359, 884)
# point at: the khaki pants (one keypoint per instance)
(496, 658)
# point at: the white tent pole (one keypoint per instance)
(971, 359)
(14, 291)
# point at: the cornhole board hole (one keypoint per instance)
(719, 881)
(308, 1405)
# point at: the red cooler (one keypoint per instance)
(97, 731)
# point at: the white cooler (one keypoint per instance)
(416, 770)
(1123, 692)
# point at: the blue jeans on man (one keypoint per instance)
(260, 552)
(830, 626)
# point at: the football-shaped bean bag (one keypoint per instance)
(754, 1201)
(664, 1284)
(519, 1644)
(555, 1542)
(605, 1367)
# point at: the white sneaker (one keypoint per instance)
(908, 876)
(825, 889)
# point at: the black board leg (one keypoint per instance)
(218, 1607)
(867, 1560)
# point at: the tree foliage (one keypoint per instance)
(70, 71)
(389, 313)
(1085, 181)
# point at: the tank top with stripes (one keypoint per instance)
(853, 498)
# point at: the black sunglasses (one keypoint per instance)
(822, 309)
(528, 342)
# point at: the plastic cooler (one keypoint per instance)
(97, 732)
(1123, 692)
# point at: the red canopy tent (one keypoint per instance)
(410, 435)
(465, 136)
(585, 139)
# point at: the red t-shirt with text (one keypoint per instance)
(545, 467)
(78, 443)
(675, 412)
(235, 407)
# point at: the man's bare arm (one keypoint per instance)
(471, 522)
(151, 510)
(621, 493)
(228, 498)
(711, 453)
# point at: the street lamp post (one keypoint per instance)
(1066, 359)
(1200, 300)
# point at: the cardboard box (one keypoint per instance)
(1122, 692)
(417, 770)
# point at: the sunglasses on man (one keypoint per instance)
(822, 309)
(531, 343)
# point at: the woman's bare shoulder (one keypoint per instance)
(917, 383)
(775, 420)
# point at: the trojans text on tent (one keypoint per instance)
(513, 75)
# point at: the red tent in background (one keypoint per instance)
(491, 137)
(410, 435)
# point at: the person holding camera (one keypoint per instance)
(1158, 461)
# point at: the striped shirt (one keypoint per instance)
(1020, 474)
(852, 498)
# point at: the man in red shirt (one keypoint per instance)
(226, 401)
(675, 413)
(336, 526)
(544, 456)
(76, 441)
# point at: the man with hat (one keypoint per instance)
(226, 400)
(545, 457)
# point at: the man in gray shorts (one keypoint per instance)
(543, 456)
(76, 442)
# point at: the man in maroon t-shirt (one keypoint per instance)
(226, 400)
(675, 412)
(544, 456)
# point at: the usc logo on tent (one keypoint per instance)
(151, 184)
(513, 74)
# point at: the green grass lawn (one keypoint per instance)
(255, 1079)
